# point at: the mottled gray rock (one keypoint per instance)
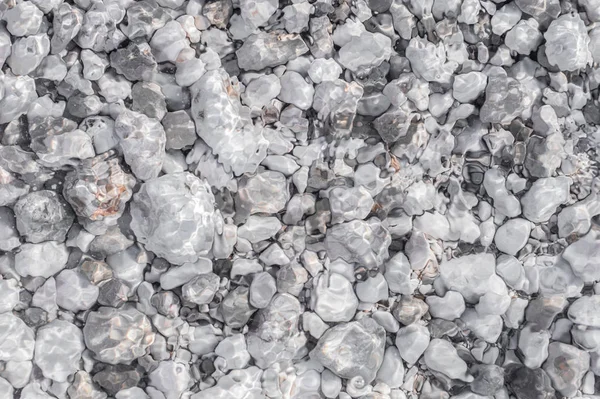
(113, 292)
(43, 216)
(239, 145)
(489, 379)
(171, 378)
(179, 129)
(24, 19)
(57, 142)
(117, 335)
(504, 202)
(27, 53)
(398, 273)
(449, 307)
(584, 311)
(364, 242)
(259, 228)
(365, 52)
(168, 42)
(526, 383)
(10, 295)
(257, 13)
(333, 298)
(94, 65)
(505, 98)
(74, 291)
(542, 311)
(412, 341)
(544, 155)
(16, 339)
(349, 203)
(392, 368)
(512, 235)
(101, 129)
(262, 289)
(144, 18)
(469, 275)
(201, 289)
(263, 50)
(260, 91)
(149, 100)
(264, 192)
(409, 310)
(533, 345)
(135, 62)
(66, 23)
(354, 349)
(233, 350)
(505, 18)
(583, 257)
(274, 335)
(373, 289)
(143, 143)
(467, 87)
(235, 307)
(114, 378)
(19, 93)
(540, 202)
(295, 90)
(114, 88)
(58, 349)
(557, 278)
(336, 102)
(567, 43)
(28, 260)
(563, 357)
(98, 191)
(441, 356)
(83, 386)
(165, 204)
(6, 390)
(525, 37)
(322, 70)
(429, 61)
(485, 326)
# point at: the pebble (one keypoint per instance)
(58, 349)
(449, 307)
(170, 378)
(117, 336)
(333, 298)
(55, 254)
(360, 344)
(153, 221)
(18, 340)
(412, 341)
(577, 361)
(441, 356)
(541, 200)
(512, 236)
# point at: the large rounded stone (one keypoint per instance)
(173, 215)
(117, 335)
(58, 349)
(16, 339)
(352, 349)
(43, 216)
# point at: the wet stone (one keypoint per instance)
(117, 335)
(361, 345)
